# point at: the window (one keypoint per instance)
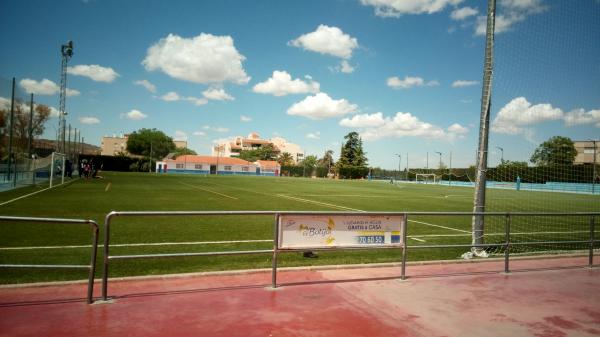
(198, 166)
(227, 168)
(245, 169)
(179, 166)
(588, 150)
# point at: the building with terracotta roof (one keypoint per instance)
(194, 164)
(233, 147)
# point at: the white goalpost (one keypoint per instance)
(426, 178)
(56, 166)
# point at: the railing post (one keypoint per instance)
(592, 220)
(404, 228)
(106, 246)
(507, 243)
(90, 294)
(275, 247)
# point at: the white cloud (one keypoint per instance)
(171, 96)
(463, 13)
(409, 82)
(403, 124)
(199, 133)
(396, 8)
(134, 115)
(463, 83)
(327, 40)
(457, 129)
(364, 121)
(180, 135)
(314, 135)
(321, 106)
(197, 101)
(44, 87)
(245, 119)
(94, 72)
(217, 95)
(281, 84)
(346, 68)
(89, 120)
(509, 13)
(215, 128)
(519, 113)
(72, 92)
(580, 116)
(146, 84)
(204, 59)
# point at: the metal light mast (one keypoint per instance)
(67, 51)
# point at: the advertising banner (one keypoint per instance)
(324, 231)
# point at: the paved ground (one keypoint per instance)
(466, 299)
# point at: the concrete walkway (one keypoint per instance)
(459, 299)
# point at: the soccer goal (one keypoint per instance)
(426, 178)
(50, 168)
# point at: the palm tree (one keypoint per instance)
(285, 159)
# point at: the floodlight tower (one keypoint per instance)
(66, 51)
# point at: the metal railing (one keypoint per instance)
(404, 247)
(91, 267)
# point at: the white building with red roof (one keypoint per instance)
(193, 164)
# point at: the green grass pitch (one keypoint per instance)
(93, 199)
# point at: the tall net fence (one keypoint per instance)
(555, 168)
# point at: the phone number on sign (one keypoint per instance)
(371, 239)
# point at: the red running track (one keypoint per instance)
(457, 299)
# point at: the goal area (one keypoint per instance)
(426, 178)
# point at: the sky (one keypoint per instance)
(405, 75)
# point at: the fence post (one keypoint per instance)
(404, 228)
(90, 294)
(275, 247)
(507, 243)
(106, 246)
(52, 170)
(592, 220)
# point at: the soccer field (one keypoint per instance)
(93, 199)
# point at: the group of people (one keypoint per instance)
(87, 169)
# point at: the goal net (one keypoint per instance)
(426, 178)
(543, 153)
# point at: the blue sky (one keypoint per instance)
(406, 75)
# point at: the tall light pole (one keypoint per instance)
(440, 158)
(66, 51)
(594, 168)
(501, 154)
(427, 167)
(399, 163)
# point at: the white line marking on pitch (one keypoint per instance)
(320, 203)
(107, 187)
(417, 239)
(36, 192)
(207, 190)
(140, 244)
(430, 224)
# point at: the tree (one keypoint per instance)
(267, 152)
(512, 164)
(181, 151)
(310, 162)
(352, 153)
(41, 113)
(285, 159)
(555, 151)
(150, 143)
(327, 160)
